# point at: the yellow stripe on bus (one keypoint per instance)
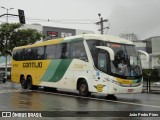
(124, 81)
(48, 42)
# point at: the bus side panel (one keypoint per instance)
(57, 74)
(35, 69)
(65, 74)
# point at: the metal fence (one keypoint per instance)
(151, 83)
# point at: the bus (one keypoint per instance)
(88, 63)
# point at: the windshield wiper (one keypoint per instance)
(132, 69)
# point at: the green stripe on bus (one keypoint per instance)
(56, 70)
(50, 71)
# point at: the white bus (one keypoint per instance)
(88, 63)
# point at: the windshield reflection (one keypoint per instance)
(127, 62)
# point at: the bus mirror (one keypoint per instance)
(144, 53)
(109, 50)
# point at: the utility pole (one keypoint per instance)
(6, 39)
(101, 23)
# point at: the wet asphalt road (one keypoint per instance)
(13, 98)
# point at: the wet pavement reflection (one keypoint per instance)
(13, 98)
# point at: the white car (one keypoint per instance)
(157, 83)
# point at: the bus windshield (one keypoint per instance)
(126, 62)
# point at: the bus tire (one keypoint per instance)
(4, 80)
(23, 83)
(83, 88)
(30, 86)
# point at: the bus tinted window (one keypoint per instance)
(50, 52)
(17, 55)
(29, 54)
(34, 53)
(65, 50)
(40, 53)
(102, 61)
(94, 51)
(58, 51)
(22, 54)
(78, 51)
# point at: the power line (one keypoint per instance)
(64, 21)
(55, 19)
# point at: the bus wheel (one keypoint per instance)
(23, 83)
(83, 88)
(4, 80)
(30, 86)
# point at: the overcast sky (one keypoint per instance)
(125, 16)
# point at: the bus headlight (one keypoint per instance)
(113, 81)
(117, 83)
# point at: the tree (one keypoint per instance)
(11, 36)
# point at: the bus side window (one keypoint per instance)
(40, 53)
(26, 55)
(65, 51)
(34, 53)
(16, 55)
(94, 51)
(50, 52)
(78, 51)
(22, 54)
(58, 51)
(102, 62)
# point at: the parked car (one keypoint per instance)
(157, 83)
(2, 77)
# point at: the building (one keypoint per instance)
(55, 32)
(152, 47)
(141, 45)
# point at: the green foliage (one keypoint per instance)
(16, 37)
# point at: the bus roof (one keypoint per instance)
(80, 37)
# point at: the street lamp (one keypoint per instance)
(6, 38)
(7, 11)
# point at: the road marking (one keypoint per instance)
(138, 104)
(98, 99)
(9, 91)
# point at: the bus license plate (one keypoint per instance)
(130, 90)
